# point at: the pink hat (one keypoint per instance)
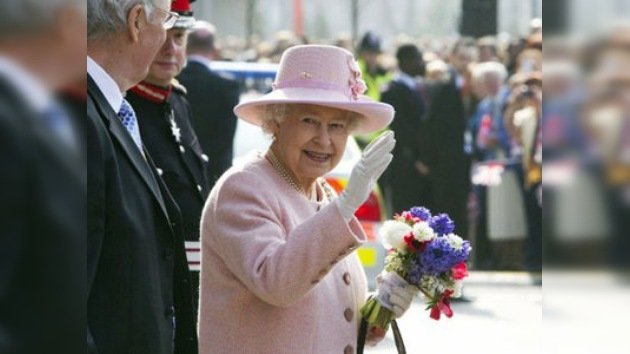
(321, 75)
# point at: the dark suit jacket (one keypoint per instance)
(42, 242)
(444, 153)
(404, 180)
(138, 285)
(212, 99)
(181, 162)
(445, 125)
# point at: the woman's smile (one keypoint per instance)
(316, 157)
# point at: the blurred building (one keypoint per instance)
(327, 18)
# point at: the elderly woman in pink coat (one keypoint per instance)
(279, 273)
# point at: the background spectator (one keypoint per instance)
(212, 98)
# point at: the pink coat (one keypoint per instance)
(277, 276)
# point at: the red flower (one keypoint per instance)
(443, 306)
(408, 218)
(459, 271)
(412, 243)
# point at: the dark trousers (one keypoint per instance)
(533, 242)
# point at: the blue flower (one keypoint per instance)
(420, 212)
(415, 273)
(442, 224)
(439, 257)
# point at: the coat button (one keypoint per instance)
(348, 350)
(346, 278)
(169, 312)
(204, 157)
(199, 188)
(348, 314)
(181, 149)
(159, 171)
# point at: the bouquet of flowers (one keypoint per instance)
(425, 253)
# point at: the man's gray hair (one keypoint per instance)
(18, 16)
(106, 17)
(482, 70)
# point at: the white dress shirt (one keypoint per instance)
(106, 84)
(40, 100)
(28, 87)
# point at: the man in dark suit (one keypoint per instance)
(167, 133)
(139, 296)
(444, 153)
(42, 185)
(406, 178)
(212, 99)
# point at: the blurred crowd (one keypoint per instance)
(470, 144)
(472, 117)
(498, 83)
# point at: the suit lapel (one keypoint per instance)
(119, 133)
(54, 147)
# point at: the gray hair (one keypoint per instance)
(106, 17)
(274, 114)
(482, 70)
(17, 16)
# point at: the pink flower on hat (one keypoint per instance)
(357, 85)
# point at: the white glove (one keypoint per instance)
(375, 159)
(395, 293)
(401, 297)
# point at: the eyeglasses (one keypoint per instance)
(170, 19)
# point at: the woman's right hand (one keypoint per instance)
(374, 336)
(374, 160)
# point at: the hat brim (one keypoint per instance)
(375, 115)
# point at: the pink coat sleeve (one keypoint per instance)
(275, 261)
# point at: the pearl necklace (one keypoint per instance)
(279, 167)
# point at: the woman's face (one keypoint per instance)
(311, 140)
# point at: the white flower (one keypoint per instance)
(423, 232)
(455, 241)
(429, 283)
(457, 289)
(393, 263)
(393, 233)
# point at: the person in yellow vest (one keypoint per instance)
(375, 76)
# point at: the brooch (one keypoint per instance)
(175, 128)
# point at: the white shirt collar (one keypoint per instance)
(28, 87)
(106, 84)
(407, 80)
